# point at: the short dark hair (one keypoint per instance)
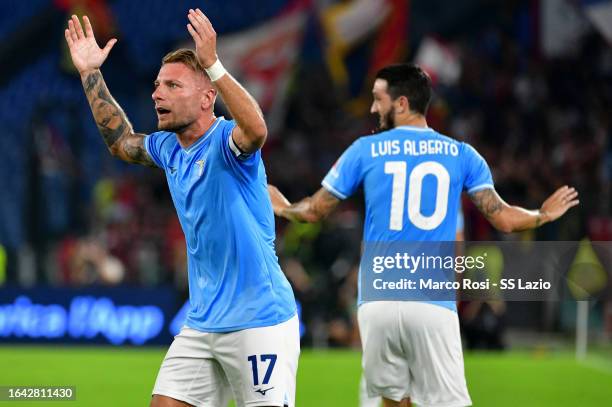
(408, 80)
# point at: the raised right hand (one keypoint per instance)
(84, 50)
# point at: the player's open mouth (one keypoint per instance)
(161, 111)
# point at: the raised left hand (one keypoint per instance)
(204, 36)
(559, 202)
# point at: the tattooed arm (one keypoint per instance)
(507, 218)
(114, 126)
(310, 209)
(112, 122)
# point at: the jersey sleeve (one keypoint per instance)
(477, 172)
(244, 165)
(154, 144)
(346, 174)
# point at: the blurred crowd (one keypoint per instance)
(539, 122)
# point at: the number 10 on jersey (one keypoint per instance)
(398, 170)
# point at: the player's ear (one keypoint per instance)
(208, 99)
(402, 105)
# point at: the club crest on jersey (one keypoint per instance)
(200, 164)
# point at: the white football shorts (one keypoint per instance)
(413, 349)
(256, 366)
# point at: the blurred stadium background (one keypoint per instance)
(91, 253)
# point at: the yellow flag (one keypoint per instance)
(586, 276)
(2, 265)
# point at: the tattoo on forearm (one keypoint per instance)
(112, 121)
(111, 115)
(90, 82)
(488, 202)
(324, 202)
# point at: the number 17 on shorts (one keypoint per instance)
(271, 359)
(268, 365)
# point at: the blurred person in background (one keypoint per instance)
(420, 360)
(93, 264)
(241, 335)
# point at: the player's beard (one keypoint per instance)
(173, 126)
(387, 121)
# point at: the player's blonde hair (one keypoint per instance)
(185, 56)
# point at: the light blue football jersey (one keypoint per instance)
(412, 179)
(222, 202)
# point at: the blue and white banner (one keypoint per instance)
(115, 316)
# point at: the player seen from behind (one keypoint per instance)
(412, 349)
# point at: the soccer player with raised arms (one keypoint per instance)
(412, 349)
(241, 334)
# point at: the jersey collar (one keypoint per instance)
(413, 128)
(206, 135)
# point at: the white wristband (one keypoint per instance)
(216, 70)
